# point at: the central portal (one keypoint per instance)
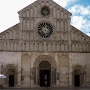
(45, 74)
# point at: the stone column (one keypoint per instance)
(53, 77)
(19, 73)
(37, 77)
(32, 77)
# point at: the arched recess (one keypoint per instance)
(10, 71)
(64, 69)
(25, 70)
(78, 76)
(40, 65)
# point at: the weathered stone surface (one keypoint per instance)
(46, 40)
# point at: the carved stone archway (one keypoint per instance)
(79, 72)
(48, 58)
(10, 71)
(52, 67)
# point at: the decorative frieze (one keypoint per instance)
(59, 46)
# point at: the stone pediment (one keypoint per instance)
(33, 10)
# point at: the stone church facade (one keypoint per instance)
(43, 49)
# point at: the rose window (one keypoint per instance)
(45, 11)
(45, 30)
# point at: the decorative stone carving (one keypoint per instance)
(45, 11)
(45, 30)
(45, 65)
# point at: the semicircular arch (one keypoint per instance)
(48, 58)
(9, 66)
(79, 68)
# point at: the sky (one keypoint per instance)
(80, 10)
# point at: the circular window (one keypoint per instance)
(45, 11)
(45, 30)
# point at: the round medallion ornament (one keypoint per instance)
(45, 30)
(45, 11)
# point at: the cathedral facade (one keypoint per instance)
(44, 49)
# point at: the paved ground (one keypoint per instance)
(84, 88)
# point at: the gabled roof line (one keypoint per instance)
(63, 8)
(37, 1)
(9, 28)
(80, 31)
(26, 7)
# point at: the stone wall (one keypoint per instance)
(23, 63)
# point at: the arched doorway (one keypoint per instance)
(78, 76)
(44, 66)
(11, 76)
(45, 73)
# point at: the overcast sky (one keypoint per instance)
(80, 10)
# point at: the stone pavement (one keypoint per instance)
(73, 88)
